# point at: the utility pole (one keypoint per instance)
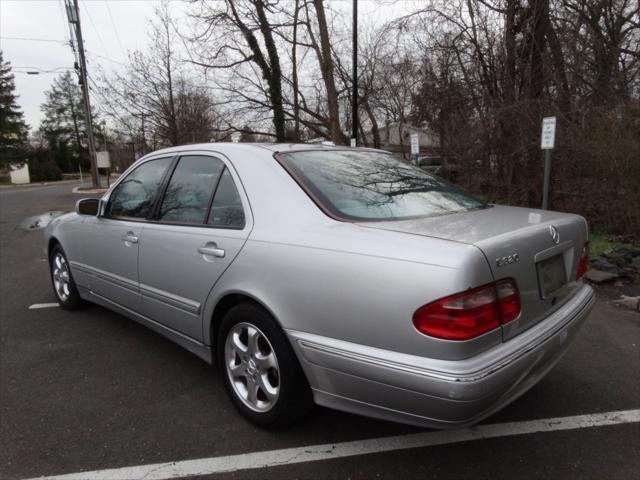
(73, 15)
(354, 100)
(142, 116)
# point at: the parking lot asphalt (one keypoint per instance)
(92, 390)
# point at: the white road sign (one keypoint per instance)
(415, 143)
(548, 137)
(103, 159)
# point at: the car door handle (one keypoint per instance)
(211, 249)
(129, 237)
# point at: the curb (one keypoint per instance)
(81, 190)
(35, 184)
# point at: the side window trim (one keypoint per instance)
(154, 216)
(213, 198)
(157, 202)
(213, 195)
(165, 179)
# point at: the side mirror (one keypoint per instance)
(88, 206)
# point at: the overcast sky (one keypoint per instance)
(34, 34)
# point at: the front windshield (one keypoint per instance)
(367, 185)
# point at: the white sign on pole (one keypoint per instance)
(353, 142)
(548, 137)
(103, 159)
(415, 143)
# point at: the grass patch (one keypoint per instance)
(600, 243)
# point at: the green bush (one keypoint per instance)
(42, 166)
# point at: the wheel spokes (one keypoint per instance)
(266, 362)
(252, 367)
(240, 348)
(252, 340)
(61, 277)
(237, 370)
(252, 391)
(267, 388)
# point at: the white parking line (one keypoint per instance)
(289, 456)
(43, 305)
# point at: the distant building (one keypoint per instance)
(316, 140)
(395, 137)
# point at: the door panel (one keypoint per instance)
(112, 241)
(181, 258)
(176, 278)
(111, 260)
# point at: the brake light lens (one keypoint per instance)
(583, 265)
(470, 314)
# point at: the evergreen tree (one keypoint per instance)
(13, 129)
(64, 122)
(42, 166)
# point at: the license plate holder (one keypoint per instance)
(552, 275)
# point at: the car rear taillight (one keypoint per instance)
(470, 314)
(583, 265)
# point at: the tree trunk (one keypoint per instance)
(375, 130)
(274, 77)
(294, 73)
(326, 68)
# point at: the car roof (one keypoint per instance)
(283, 147)
(231, 148)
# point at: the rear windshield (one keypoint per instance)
(362, 185)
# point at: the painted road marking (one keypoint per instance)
(312, 453)
(43, 305)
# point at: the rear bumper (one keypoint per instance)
(437, 393)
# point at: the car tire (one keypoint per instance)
(259, 369)
(64, 287)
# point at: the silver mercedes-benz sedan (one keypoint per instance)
(340, 276)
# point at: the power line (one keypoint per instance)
(64, 20)
(86, 9)
(115, 29)
(71, 34)
(105, 58)
(30, 39)
(42, 69)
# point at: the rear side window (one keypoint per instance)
(361, 185)
(226, 209)
(134, 195)
(187, 197)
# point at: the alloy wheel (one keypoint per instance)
(61, 277)
(252, 367)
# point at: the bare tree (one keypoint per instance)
(233, 34)
(152, 97)
(325, 59)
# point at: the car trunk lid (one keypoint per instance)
(539, 249)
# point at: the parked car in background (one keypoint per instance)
(430, 163)
(340, 276)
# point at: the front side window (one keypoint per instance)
(360, 185)
(134, 195)
(189, 191)
(226, 209)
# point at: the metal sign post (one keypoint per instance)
(104, 162)
(354, 94)
(547, 142)
(415, 146)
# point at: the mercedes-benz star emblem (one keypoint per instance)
(555, 236)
